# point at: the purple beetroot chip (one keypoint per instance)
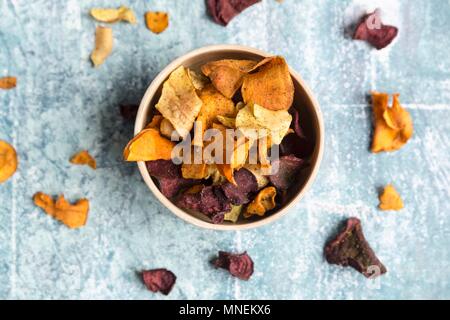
(245, 185)
(286, 171)
(239, 265)
(372, 30)
(159, 280)
(296, 143)
(350, 248)
(128, 111)
(222, 11)
(210, 201)
(169, 177)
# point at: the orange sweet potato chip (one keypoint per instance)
(156, 122)
(8, 161)
(227, 75)
(103, 45)
(148, 145)
(269, 84)
(84, 158)
(156, 21)
(264, 201)
(393, 125)
(73, 216)
(390, 199)
(8, 82)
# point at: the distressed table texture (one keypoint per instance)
(62, 104)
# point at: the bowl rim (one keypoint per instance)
(141, 122)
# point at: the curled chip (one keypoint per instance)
(269, 84)
(350, 248)
(372, 30)
(222, 11)
(103, 45)
(73, 216)
(156, 21)
(286, 173)
(159, 280)
(179, 102)
(252, 118)
(264, 201)
(8, 83)
(227, 75)
(199, 81)
(393, 125)
(239, 265)
(148, 145)
(390, 199)
(8, 161)
(84, 158)
(111, 15)
(169, 177)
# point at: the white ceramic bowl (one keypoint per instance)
(304, 101)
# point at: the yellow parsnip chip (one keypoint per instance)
(390, 199)
(227, 121)
(198, 80)
(8, 161)
(84, 158)
(227, 75)
(233, 214)
(393, 125)
(179, 102)
(156, 21)
(269, 84)
(73, 216)
(103, 45)
(254, 117)
(7, 83)
(148, 145)
(166, 128)
(111, 15)
(264, 201)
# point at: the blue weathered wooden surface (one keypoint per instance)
(62, 104)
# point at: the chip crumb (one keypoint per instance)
(7, 83)
(103, 45)
(156, 21)
(73, 216)
(84, 158)
(390, 199)
(8, 161)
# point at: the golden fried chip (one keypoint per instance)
(8, 161)
(233, 214)
(194, 171)
(269, 84)
(111, 15)
(390, 199)
(7, 83)
(103, 45)
(393, 125)
(179, 102)
(227, 121)
(215, 104)
(156, 121)
(273, 123)
(84, 158)
(166, 128)
(264, 201)
(148, 145)
(73, 216)
(227, 75)
(156, 21)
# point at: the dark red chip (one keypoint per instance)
(372, 30)
(159, 280)
(245, 185)
(286, 169)
(296, 143)
(222, 11)
(350, 248)
(239, 265)
(129, 111)
(169, 177)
